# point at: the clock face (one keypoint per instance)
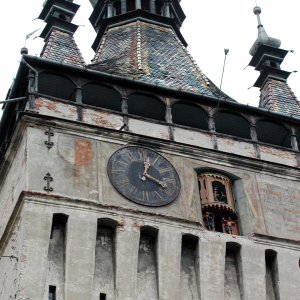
(143, 176)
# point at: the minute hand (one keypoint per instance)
(161, 183)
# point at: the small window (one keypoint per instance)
(219, 192)
(117, 7)
(102, 296)
(52, 292)
(298, 139)
(146, 5)
(159, 7)
(130, 5)
(218, 207)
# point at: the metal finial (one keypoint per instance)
(263, 38)
(257, 12)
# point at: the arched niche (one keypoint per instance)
(218, 203)
(57, 86)
(189, 115)
(101, 96)
(298, 139)
(146, 5)
(146, 106)
(130, 5)
(273, 133)
(159, 7)
(232, 124)
(117, 7)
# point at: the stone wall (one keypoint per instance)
(266, 195)
(179, 262)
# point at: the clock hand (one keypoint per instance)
(161, 183)
(147, 165)
(143, 178)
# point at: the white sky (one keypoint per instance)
(210, 26)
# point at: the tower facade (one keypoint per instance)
(135, 178)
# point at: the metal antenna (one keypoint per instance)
(226, 51)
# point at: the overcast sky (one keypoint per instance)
(210, 26)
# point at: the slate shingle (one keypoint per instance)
(61, 47)
(278, 97)
(153, 54)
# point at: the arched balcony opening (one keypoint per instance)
(232, 124)
(146, 5)
(298, 139)
(159, 7)
(101, 96)
(189, 115)
(117, 7)
(146, 106)
(130, 5)
(273, 133)
(57, 86)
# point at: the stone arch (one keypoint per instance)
(147, 106)
(101, 95)
(273, 133)
(55, 85)
(232, 124)
(184, 113)
(130, 5)
(117, 7)
(159, 4)
(271, 263)
(146, 5)
(298, 138)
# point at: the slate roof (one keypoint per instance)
(61, 47)
(278, 97)
(153, 54)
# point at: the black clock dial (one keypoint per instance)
(143, 176)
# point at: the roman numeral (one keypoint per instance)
(164, 170)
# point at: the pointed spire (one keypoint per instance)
(267, 58)
(58, 33)
(262, 38)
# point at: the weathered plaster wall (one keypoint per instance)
(13, 180)
(189, 136)
(176, 261)
(11, 262)
(267, 203)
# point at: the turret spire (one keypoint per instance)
(262, 38)
(275, 95)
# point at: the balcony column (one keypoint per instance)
(110, 11)
(167, 12)
(152, 6)
(138, 4)
(123, 6)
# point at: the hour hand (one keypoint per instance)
(161, 183)
(147, 165)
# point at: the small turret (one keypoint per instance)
(58, 33)
(276, 95)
